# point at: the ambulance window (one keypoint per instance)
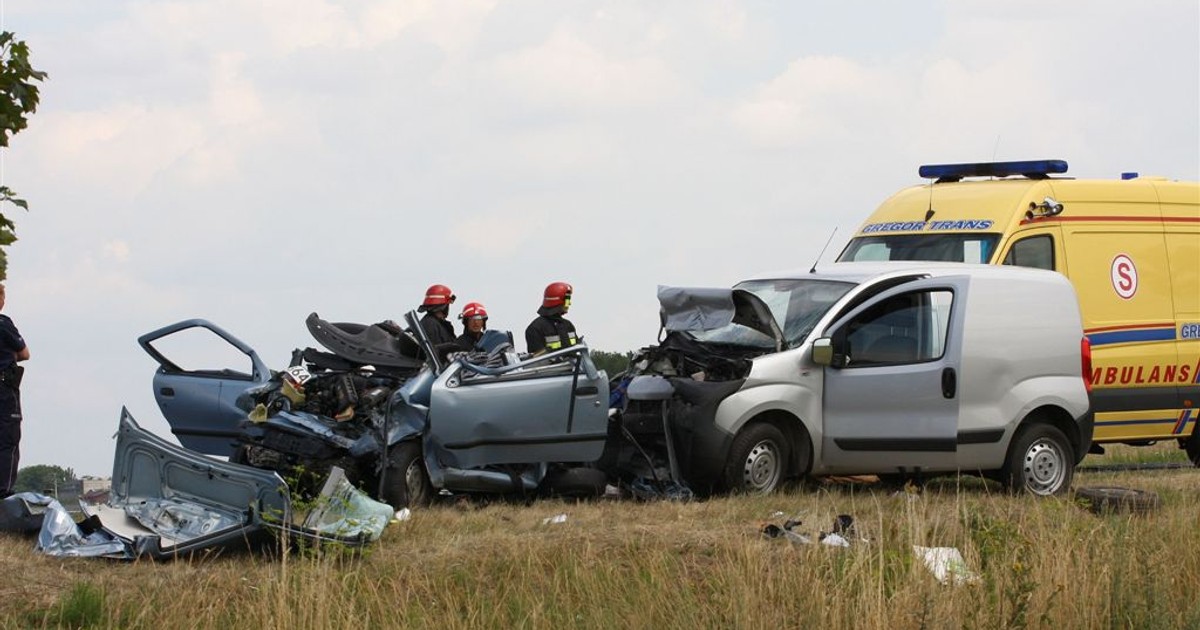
(906, 328)
(1035, 251)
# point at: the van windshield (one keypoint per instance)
(968, 247)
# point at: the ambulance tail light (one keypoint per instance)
(1085, 355)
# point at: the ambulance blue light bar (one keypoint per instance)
(1033, 169)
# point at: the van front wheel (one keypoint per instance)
(1040, 461)
(756, 460)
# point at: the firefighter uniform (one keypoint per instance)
(10, 404)
(549, 333)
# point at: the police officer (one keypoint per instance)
(474, 319)
(436, 307)
(12, 350)
(551, 331)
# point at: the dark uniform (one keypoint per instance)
(10, 403)
(439, 330)
(467, 341)
(549, 333)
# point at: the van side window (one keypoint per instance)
(906, 328)
(1035, 251)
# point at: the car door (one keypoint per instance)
(891, 396)
(202, 369)
(548, 409)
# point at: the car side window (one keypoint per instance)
(906, 328)
(201, 352)
(1035, 251)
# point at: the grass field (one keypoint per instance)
(1039, 563)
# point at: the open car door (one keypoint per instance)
(202, 370)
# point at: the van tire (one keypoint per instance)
(757, 460)
(406, 483)
(1040, 461)
(1192, 446)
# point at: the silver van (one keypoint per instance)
(872, 368)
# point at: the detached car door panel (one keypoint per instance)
(202, 371)
(891, 399)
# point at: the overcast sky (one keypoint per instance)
(252, 162)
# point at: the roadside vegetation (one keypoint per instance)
(1039, 563)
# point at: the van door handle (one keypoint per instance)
(167, 391)
(587, 390)
(949, 383)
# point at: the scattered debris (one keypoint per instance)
(555, 520)
(1109, 500)
(843, 530)
(403, 514)
(946, 564)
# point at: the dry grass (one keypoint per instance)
(1042, 563)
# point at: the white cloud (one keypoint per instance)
(813, 97)
(566, 71)
(117, 250)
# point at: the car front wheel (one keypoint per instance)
(1040, 461)
(756, 460)
(407, 482)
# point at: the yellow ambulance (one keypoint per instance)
(1131, 247)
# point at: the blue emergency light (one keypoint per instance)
(1033, 169)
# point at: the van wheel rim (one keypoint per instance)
(761, 470)
(1045, 468)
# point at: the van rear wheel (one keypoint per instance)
(757, 460)
(1040, 461)
(1192, 446)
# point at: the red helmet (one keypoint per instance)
(473, 310)
(437, 295)
(557, 294)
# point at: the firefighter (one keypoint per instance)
(12, 350)
(474, 320)
(551, 331)
(436, 307)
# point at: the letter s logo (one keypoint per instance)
(1124, 276)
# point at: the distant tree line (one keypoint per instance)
(42, 477)
(612, 362)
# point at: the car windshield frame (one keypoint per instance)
(797, 305)
(924, 246)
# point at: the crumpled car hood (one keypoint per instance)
(168, 501)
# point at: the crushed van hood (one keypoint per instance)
(696, 309)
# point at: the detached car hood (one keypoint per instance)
(168, 501)
(695, 309)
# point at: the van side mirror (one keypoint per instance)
(824, 353)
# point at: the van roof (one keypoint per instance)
(999, 205)
(859, 272)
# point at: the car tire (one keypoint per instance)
(407, 482)
(579, 482)
(1108, 500)
(757, 460)
(1040, 461)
